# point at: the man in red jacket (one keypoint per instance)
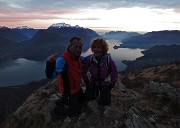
(68, 68)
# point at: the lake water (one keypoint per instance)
(20, 71)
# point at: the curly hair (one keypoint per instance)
(100, 42)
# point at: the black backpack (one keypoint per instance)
(50, 67)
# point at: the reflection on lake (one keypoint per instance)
(120, 54)
(20, 71)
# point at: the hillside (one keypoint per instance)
(12, 97)
(150, 105)
(167, 73)
(157, 55)
(151, 39)
(12, 35)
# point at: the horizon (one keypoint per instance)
(100, 31)
(101, 16)
(97, 29)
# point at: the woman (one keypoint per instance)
(103, 73)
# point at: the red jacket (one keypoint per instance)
(73, 74)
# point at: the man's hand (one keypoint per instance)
(52, 58)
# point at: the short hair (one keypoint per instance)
(102, 43)
(72, 39)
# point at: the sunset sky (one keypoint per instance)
(99, 15)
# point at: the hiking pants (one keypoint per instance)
(104, 93)
(71, 106)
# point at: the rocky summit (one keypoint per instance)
(153, 105)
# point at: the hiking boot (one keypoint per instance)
(93, 105)
(106, 111)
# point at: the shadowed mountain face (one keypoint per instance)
(44, 43)
(66, 33)
(151, 39)
(154, 56)
(163, 51)
(28, 32)
(12, 35)
(8, 49)
(153, 104)
(52, 40)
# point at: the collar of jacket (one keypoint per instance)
(101, 60)
(71, 56)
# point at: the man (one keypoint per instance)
(68, 68)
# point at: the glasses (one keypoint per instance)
(77, 46)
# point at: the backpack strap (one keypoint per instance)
(109, 61)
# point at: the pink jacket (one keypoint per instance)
(99, 72)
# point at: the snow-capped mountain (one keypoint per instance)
(3, 27)
(25, 30)
(60, 25)
(23, 27)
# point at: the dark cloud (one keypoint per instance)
(62, 18)
(78, 4)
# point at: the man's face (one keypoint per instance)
(76, 47)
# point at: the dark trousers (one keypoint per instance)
(104, 93)
(70, 106)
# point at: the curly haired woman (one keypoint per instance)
(103, 75)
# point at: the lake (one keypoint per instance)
(21, 71)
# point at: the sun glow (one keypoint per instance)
(128, 19)
(123, 19)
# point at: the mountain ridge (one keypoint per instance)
(157, 55)
(151, 39)
(44, 42)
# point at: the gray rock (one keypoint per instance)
(135, 120)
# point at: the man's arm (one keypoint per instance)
(60, 64)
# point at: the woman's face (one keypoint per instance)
(97, 50)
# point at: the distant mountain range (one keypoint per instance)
(37, 44)
(27, 31)
(151, 39)
(119, 35)
(11, 34)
